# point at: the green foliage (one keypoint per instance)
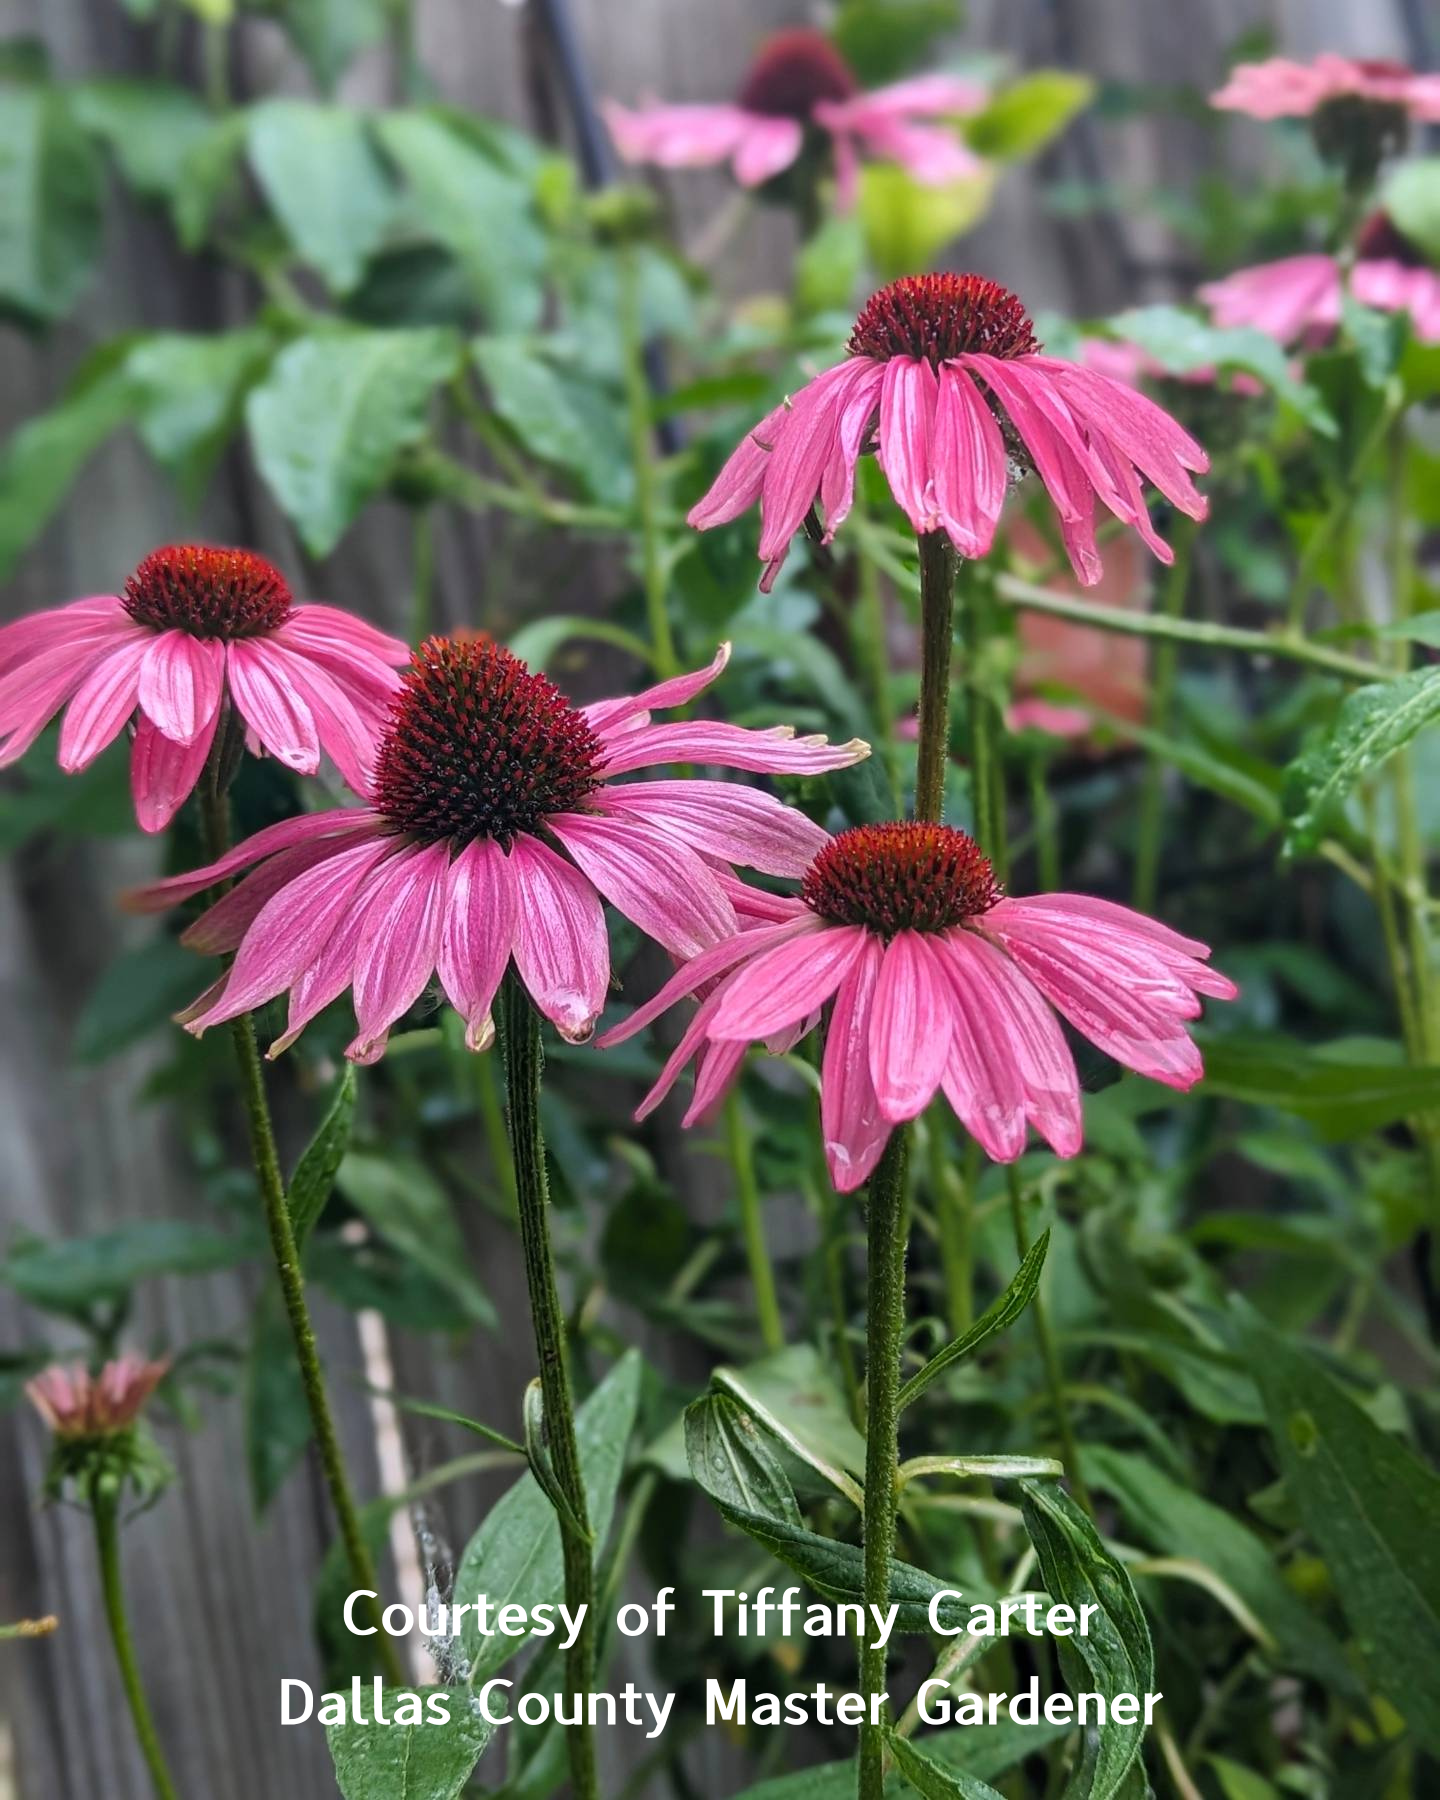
(320, 1161)
(998, 1317)
(74, 1275)
(324, 182)
(409, 1207)
(906, 223)
(409, 1762)
(50, 204)
(1371, 725)
(1026, 115)
(1412, 199)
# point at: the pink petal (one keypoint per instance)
(970, 465)
(786, 982)
(680, 690)
(98, 617)
(927, 96)
(349, 736)
(722, 819)
(837, 483)
(395, 956)
(163, 773)
(339, 822)
(102, 703)
(766, 147)
(805, 441)
(737, 487)
(653, 879)
(676, 137)
(932, 154)
(910, 1027)
(715, 1073)
(220, 928)
(181, 681)
(851, 1122)
(1141, 431)
(269, 704)
(694, 1037)
(477, 934)
(331, 627)
(774, 752)
(33, 692)
(1080, 907)
(561, 949)
(905, 449)
(982, 1080)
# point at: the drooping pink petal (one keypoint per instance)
(982, 1078)
(96, 618)
(181, 681)
(753, 906)
(399, 938)
(347, 735)
(657, 882)
(854, 1129)
(765, 148)
(163, 773)
(934, 156)
(220, 928)
(270, 705)
(604, 715)
(1105, 912)
(1020, 1021)
(929, 96)
(715, 1072)
(722, 819)
(1138, 429)
(101, 705)
(905, 447)
(561, 949)
(742, 476)
(477, 934)
(805, 441)
(339, 822)
(837, 483)
(774, 752)
(676, 137)
(910, 1027)
(318, 625)
(970, 465)
(1287, 300)
(786, 982)
(33, 692)
(691, 1042)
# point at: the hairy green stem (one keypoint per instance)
(215, 814)
(524, 1065)
(105, 1510)
(1150, 833)
(752, 1224)
(884, 1336)
(937, 637)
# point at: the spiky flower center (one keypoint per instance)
(480, 746)
(792, 71)
(940, 316)
(901, 877)
(208, 592)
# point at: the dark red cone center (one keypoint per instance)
(940, 316)
(792, 71)
(208, 592)
(901, 877)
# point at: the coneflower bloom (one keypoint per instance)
(76, 1404)
(197, 630)
(946, 382)
(494, 829)
(939, 983)
(1281, 89)
(1300, 299)
(799, 84)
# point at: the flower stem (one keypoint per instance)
(1150, 831)
(286, 1255)
(752, 1224)
(937, 610)
(524, 1063)
(884, 1334)
(642, 455)
(105, 1509)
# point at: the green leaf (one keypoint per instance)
(1372, 724)
(408, 1206)
(561, 418)
(1342, 1098)
(410, 1762)
(95, 803)
(985, 1752)
(795, 1397)
(1412, 199)
(1024, 117)
(73, 1275)
(1115, 1657)
(189, 392)
(935, 1780)
(1370, 1505)
(137, 993)
(907, 224)
(325, 184)
(828, 267)
(515, 1556)
(331, 33)
(207, 174)
(998, 1317)
(319, 1162)
(277, 1415)
(1184, 344)
(149, 127)
(1172, 1518)
(334, 415)
(41, 462)
(888, 38)
(478, 209)
(731, 1460)
(50, 203)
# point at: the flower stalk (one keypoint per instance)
(524, 1064)
(937, 610)
(105, 1511)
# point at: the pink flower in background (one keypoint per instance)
(938, 983)
(946, 381)
(1299, 299)
(196, 627)
(1124, 361)
(1281, 89)
(494, 829)
(76, 1404)
(800, 81)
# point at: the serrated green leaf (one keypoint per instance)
(1115, 1656)
(319, 1162)
(1372, 724)
(1000, 1316)
(330, 421)
(1370, 1506)
(410, 1762)
(324, 183)
(1025, 116)
(50, 203)
(560, 417)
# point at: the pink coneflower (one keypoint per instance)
(939, 983)
(1299, 300)
(798, 83)
(76, 1404)
(947, 383)
(1281, 89)
(495, 828)
(1123, 360)
(196, 628)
